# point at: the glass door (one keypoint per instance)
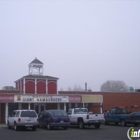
(39, 108)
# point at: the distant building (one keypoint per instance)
(8, 88)
(137, 90)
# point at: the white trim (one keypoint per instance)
(46, 86)
(29, 106)
(58, 105)
(83, 105)
(101, 109)
(41, 80)
(6, 112)
(30, 81)
(65, 106)
(35, 86)
(19, 106)
(56, 88)
(52, 82)
(18, 85)
(24, 86)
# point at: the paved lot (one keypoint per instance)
(110, 132)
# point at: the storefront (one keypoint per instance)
(10, 102)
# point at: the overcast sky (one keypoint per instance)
(77, 40)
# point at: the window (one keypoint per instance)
(28, 114)
(59, 113)
(17, 114)
(13, 114)
(80, 110)
(70, 112)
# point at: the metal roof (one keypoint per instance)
(38, 77)
(36, 61)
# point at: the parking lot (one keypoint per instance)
(106, 132)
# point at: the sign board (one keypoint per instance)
(75, 99)
(41, 99)
(6, 98)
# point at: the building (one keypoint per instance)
(8, 88)
(36, 82)
(39, 92)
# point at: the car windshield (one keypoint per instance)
(80, 110)
(59, 113)
(28, 114)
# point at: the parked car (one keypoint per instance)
(119, 115)
(23, 118)
(82, 118)
(54, 118)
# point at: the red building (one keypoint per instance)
(39, 92)
(36, 82)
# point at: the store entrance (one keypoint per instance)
(39, 108)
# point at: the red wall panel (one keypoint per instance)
(30, 86)
(52, 87)
(41, 86)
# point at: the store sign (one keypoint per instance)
(41, 98)
(6, 98)
(75, 99)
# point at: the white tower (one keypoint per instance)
(36, 67)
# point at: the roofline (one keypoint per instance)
(37, 78)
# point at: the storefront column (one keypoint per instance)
(6, 112)
(58, 106)
(65, 106)
(83, 105)
(24, 86)
(19, 106)
(46, 86)
(101, 110)
(29, 106)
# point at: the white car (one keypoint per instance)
(82, 118)
(23, 118)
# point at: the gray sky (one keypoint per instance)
(77, 40)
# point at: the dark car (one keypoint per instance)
(54, 118)
(121, 116)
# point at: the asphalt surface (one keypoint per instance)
(106, 132)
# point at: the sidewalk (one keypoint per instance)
(3, 125)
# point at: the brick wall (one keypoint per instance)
(111, 100)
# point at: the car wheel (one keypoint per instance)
(123, 123)
(81, 124)
(9, 127)
(15, 127)
(97, 126)
(65, 128)
(48, 126)
(34, 128)
(116, 123)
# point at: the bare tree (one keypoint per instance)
(69, 89)
(114, 86)
(61, 89)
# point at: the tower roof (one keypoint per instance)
(36, 61)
